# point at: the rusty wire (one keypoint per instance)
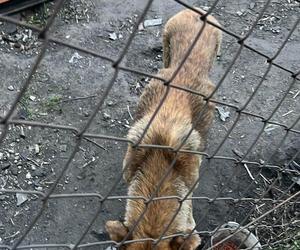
(81, 134)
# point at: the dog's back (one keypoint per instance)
(179, 34)
(145, 167)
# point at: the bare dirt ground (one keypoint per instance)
(31, 157)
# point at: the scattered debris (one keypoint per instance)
(63, 148)
(75, 56)
(22, 134)
(264, 178)
(28, 175)
(36, 149)
(113, 36)
(249, 173)
(239, 13)
(270, 127)
(128, 109)
(12, 236)
(5, 166)
(111, 248)
(39, 172)
(237, 152)
(106, 116)
(21, 198)
(152, 22)
(252, 5)
(295, 167)
(297, 93)
(89, 162)
(206, 8)
(223, 113)
(32, 98)
(141, 27)
(287, 113)
(11, 88)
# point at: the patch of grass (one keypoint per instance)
(53, 102)
(29, 112)
(296, 245)
(40, 14)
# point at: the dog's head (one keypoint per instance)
(118, 231)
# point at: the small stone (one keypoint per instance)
(11, 88)
(1, 156)
(80, 177)
(106, 116)
(36, 149)
(32, 98)
(39, 188)
(22, 134)
(141, 27)
(21, 198)
(5, 166)
(14, 171)
(39, 172)
(152, 22)
(75, 56)
(113, 36)
(2, 197)
(28, 175)
(110, 103)
(239, 13)
(29, 33)
(63, 148)
(252, 5)
(11, 151)
(223, 113)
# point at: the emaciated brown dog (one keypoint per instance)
(144, 167)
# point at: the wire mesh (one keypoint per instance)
(270, 205)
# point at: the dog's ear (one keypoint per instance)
(116, 230)
(190, 243)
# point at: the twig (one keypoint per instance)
(264, 178)
(97, 144)
(13, 235)
(12, 222)
(297, 93)
(291, 111)
(88, 163)
(249, 173)
(32, 161)
(79, 98)
(129, 112)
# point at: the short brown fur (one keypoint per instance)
(144, 167)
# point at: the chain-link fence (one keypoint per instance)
(272, 213)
